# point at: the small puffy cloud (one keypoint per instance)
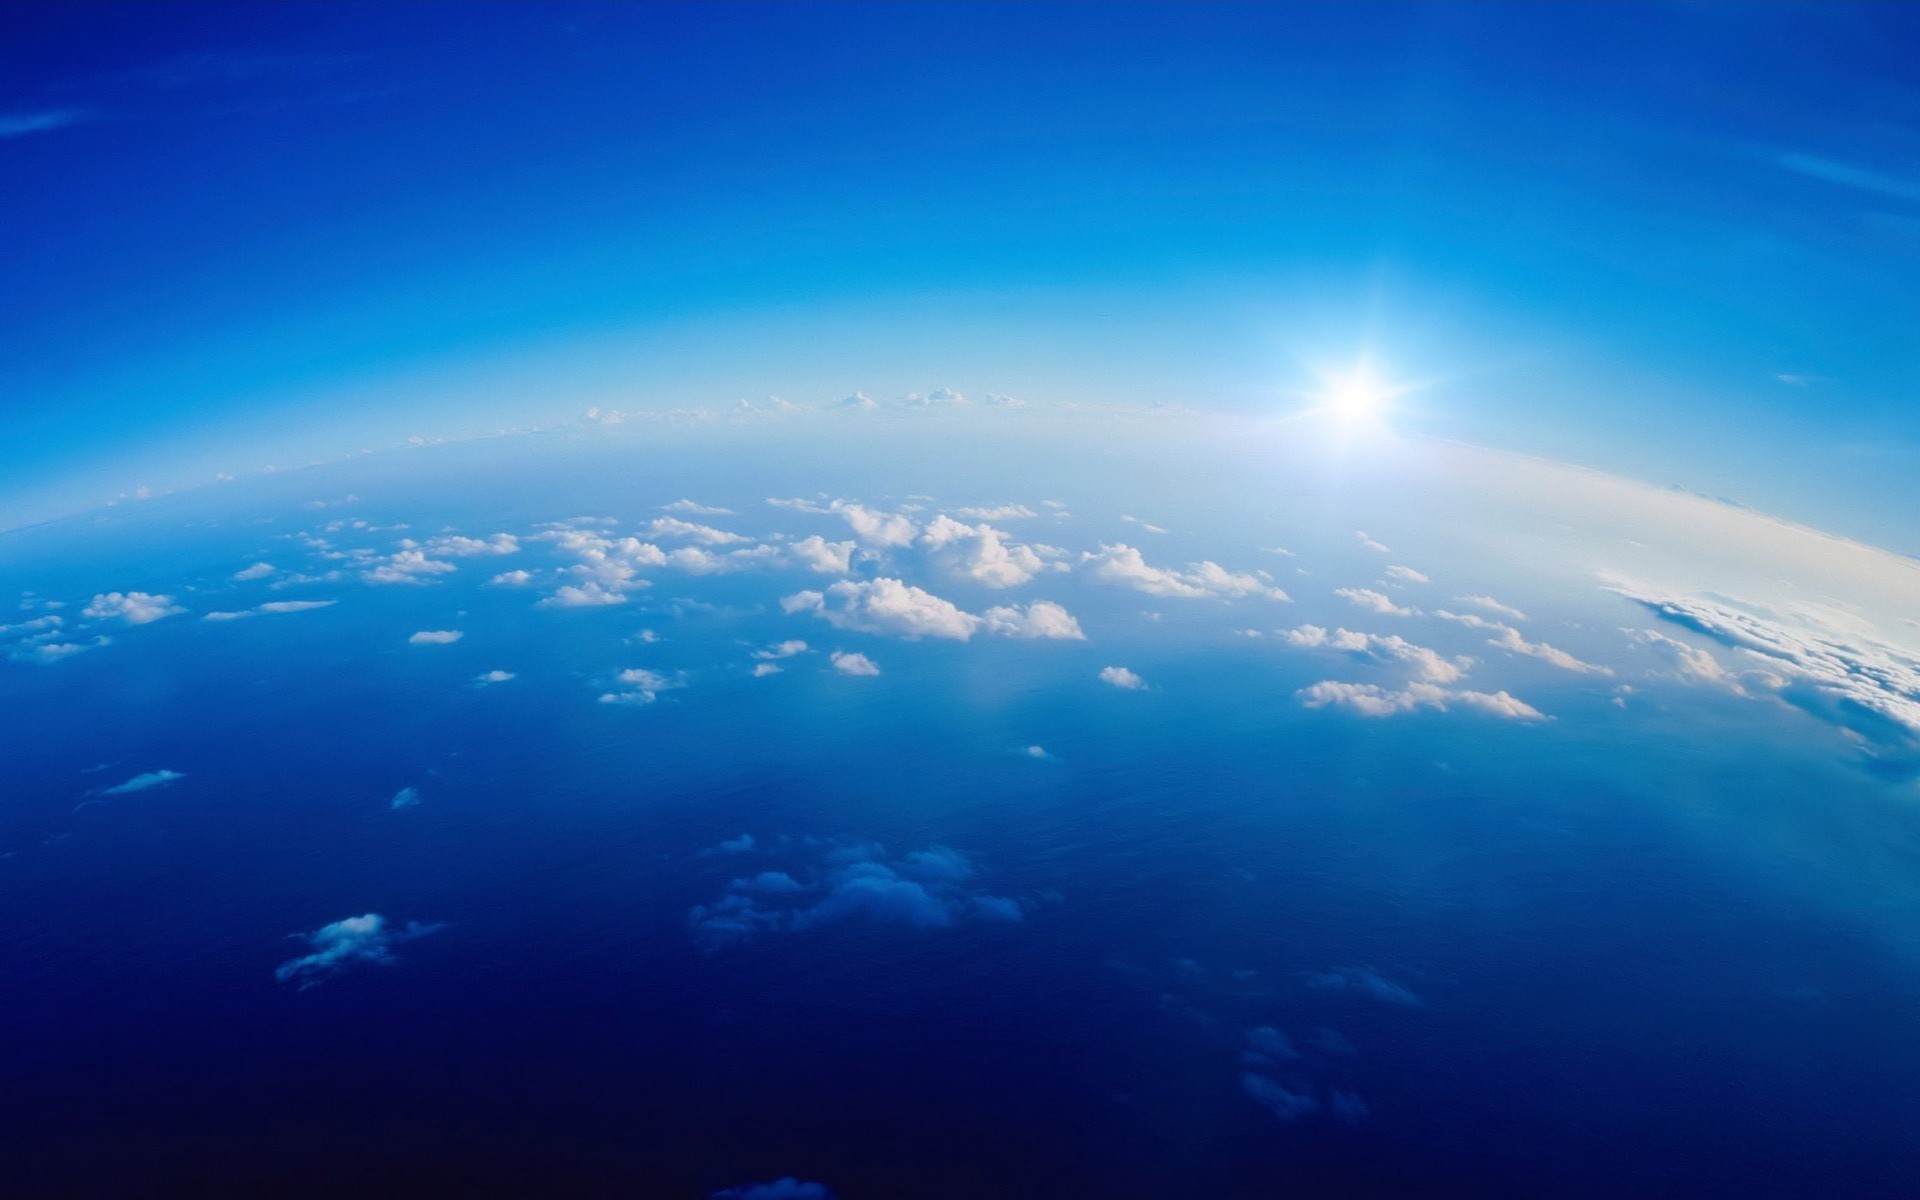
(1373, 602)
(1406, 575)
(820, 555)
(512, 579)
(1123, 564)
(885, 606)
(409, 565)
(1037, 752)
(142, 782)
(980, 553)
(696, 509)
(406, 797)
(1363, 981)
(259, 570)
(640, 686)
(435, 637)
(859, 400)
(840, 882)
(494, 676)
(876, 528)
(787, 1187)
(936, 397)
(1427, 665)
(762, 670)
(1510, 639)
(1121, 677)
(47, 652)
(706, 535)
(582, 595)
(1494, 606)
(605, 568)
(342, 944)
(1372, 700)
(135, 608)
(786, 649)
(455, 546)
(270, 608)
(1041, 619)
(853, 663)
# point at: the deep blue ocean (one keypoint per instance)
(1657, 953)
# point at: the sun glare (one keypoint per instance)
(1356, 396)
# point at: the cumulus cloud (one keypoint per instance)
(1470, 620)
(853, 663)
(269, 609)
(1371, 700)
(142, 782)
(519, 578)
(605, 568)
(786, 649)
(1510, 639)
(1830, 665)
(1373, 602)
(494, 676)
(410, 565)
(1494, 606)
(1041, 619)
(885, 606)
(820, 555)
(345, 943)
(637, 685)
(1427, 665)
(706, 535)
(34, 650)
(876, 528)
(1123, 564)
(980, 553)
(1121, 677)
(833, 882)
(135, 608)
(762, 670)
(455, 546)
(259, 570)
(1687, 662)
(435, 637)
(1406, 575)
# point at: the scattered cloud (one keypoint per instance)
(1371, 700)
(269, 609)
(1374, 602)
(1123, 564)
(1363, 981)
(696, 509)
(640, 686)
(852, 663)
(406, 797)
(820, 555)
(407, 565)
(1121, 677)
(762, 670)
(142, 782)
(1406, 575)
(1510, 639)
(786, 649)
(997, 512)
(885, 606)
(1494, 606)
(259, 570)
(833, 882)
(1362, 537)
(435, 637)
(495, 676)
(342, 944)
(20, 124)
(455, 546)
(706, 535)
(1041, 619)
(876, 528)
(519, 578)
(47, 652)
(1427, 665)
(135, 608)
(980, 553)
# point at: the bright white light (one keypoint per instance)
(1356, 396)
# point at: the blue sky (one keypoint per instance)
(1681, 243)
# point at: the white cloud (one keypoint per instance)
(762, 670)
(640, 686)
(270, 608)
(1362, 537)
(140, 783)
(435, 637)
(827, 558)
(512, 579)
(44, 652)
(853, 663)
(1374, 602)
(1470, 620)
(706, 535)
(1146, 525)
(1406, 575)
(1494, 606)
(1041, 619)
(876, 528)
(583, 595)
(1688, 662)
(1428, 665)
(135, 608)
(362, 939)
(1371, 700)
(455, 546)
(1121, 677)
(980, 553)
(786, 649)
(697, 509)
(1510, 639)
(885, 606)
(1122, 564)
(406, 566)
(406, 797)
(259, 570)
(605, 568)
(997, 512)
(495, 676)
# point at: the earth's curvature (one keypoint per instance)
(927, 805)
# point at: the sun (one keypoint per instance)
(1357, 395)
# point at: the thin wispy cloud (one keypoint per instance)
(21, 124)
